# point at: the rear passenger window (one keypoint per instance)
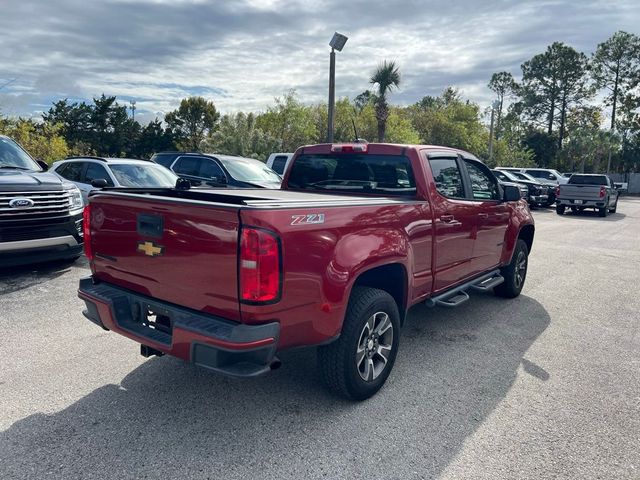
(187, 166)
(72, 171)
(279, 163)
(164, 160)
(447, 176)
(483, 185)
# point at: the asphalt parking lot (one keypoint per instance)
(543, 386)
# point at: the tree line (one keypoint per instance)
(552, 115)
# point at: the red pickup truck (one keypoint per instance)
(358, 234)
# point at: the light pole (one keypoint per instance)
(336, 43)
(494, 105)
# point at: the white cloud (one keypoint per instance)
(242, 54)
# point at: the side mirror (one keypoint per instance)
(222, 180)
(99, 183)
(511, 193)
(44, 165)
(183, 184)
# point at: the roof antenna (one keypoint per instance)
(355, 130)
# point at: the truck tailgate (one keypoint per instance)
(580, 192)
(179, 252)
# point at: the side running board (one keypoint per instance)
(458, 295)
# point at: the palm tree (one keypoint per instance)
(386, 76)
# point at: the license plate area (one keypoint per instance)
(146, 319)
(155, 318)
(578, 202)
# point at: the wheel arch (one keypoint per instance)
(391, 278)
(527, 233)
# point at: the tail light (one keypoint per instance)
(603, 192)
(86, 232)
(260, 275)
(355, 148)
(558, 191)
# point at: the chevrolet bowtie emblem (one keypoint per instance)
(150, 249)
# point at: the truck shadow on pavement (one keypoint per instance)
(168, 419)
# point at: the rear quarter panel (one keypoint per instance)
(321, 262)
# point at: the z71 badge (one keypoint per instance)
(308, 219)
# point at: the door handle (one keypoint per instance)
(447, 218)
(483, 216)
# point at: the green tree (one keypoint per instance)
(42, 141)
(450, 121)
(290, 122)
(386, 77)
(503, 85)
(615, 66)
(553, 82)
(192, 121)
(154, 138)
(238, 135)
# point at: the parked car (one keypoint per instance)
(117, 172)
(357, 235)
(524, 190)
(548, 187)
(588, 191)
(537, 194)
(219, 171)
(279, 162)
(40, 215)
(546, 174)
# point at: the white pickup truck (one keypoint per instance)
(587, 191)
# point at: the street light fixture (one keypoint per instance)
(336, 43)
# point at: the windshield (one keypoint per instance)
(358, 173)
(588, 180)
(12, 156)
(524, 176)
(247, 170)
(505, 175)
(142, 175)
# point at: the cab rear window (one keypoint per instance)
(389, 175)
(588, 180)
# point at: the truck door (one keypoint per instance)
(492, 216)
(454, 218)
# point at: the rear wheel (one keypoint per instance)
(603, 212)
(560, 209)
(515, 273)
(357, 364)
(615, 207)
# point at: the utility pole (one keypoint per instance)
(332, 94)
(133, 110)
(493, 111)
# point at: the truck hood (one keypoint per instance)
(19, 180)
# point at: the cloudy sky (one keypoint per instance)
(242, 53)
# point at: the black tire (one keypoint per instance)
(514, 274)
(615, 207)
(574, 209)
(338, 361)
(559, 210)
(603, 212)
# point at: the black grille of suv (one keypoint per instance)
(46, 204)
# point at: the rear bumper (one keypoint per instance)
(583, 203)
(205, 340)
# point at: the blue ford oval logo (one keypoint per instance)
(21, 203)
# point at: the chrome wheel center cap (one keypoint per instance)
(370, 344)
